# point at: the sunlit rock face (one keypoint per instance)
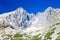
(45, 24)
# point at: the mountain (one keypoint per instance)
(43, 26)
(46, 26)
(16, 19)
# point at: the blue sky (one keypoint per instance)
(29, 5)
